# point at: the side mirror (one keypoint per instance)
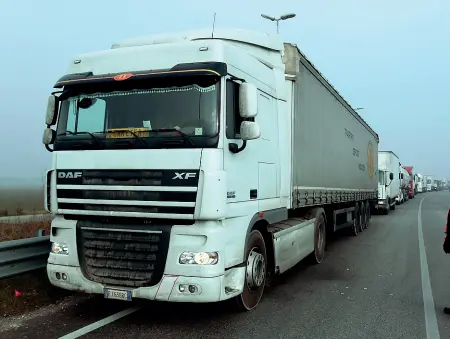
(249, 130)
(391, 176)
(49, 136)
(248, 100)
(51, 114)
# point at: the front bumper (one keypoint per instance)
(213, 282)
(168, 289)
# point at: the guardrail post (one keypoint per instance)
(39, 233)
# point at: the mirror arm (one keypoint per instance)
(47, 147)
(233, 148)
(235, 78)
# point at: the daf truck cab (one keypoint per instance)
(185, 167)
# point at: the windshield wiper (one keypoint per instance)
(137, 137)
(183, 135)
(77, 133)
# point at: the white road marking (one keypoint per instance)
(431, 325)
(100, 323)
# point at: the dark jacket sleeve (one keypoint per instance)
(447, 238)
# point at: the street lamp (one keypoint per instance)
(282, 17)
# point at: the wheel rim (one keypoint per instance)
(362, 219)
(355, 223)
(321, 237)
(319, 250)
(256, 270)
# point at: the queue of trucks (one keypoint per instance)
(397, 184)
(196, 167)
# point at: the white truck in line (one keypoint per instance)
(388, 181)
(424, 181)
(420, 184)
(404, 185)
(429, 183)
(193, 168)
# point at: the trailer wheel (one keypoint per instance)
(320, 239)
(362, 216)
(392, 207)
(368, 214)
(256, 272)
(356, 221)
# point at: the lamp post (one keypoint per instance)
(282, 17)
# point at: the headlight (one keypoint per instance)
(60, 248)
(199, 258)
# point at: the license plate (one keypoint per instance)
(117, 294)
(124, 133)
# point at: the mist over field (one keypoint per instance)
(21, 195)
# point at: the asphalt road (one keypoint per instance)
(388, 282)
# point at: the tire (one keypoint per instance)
(256, 272)
(356, 220)
(362, 216)
(368, 214)
(320, 240)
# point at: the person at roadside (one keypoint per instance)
(447, 250)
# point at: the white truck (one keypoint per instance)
(404, 185)
(388, 181)
(419, 183)
(193, 168)
(429, 183)
(424, 183)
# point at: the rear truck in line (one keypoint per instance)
(388, 181)
(425, 180)
(444, 184)
(404, 185)
(436, 184)
(419, 183)
(429, 183)
(412, 182)
(192, 168)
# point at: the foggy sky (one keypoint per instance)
(390, 57)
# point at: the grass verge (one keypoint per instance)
(34, 288)
(35, 292)
(14, 231)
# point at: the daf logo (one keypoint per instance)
(69, 175)
(184, 175)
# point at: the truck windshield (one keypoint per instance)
(191, 109)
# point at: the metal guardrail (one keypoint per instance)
(20, 219)
(23, 256)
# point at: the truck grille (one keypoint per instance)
(128, 193)
(118, 255)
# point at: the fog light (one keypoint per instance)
(64, 276)
(181, 288)
(58, 275)
(192, 289)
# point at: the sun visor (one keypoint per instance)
(215, 69)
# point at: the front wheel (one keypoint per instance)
(255, 274)
(362, 217)
(356, 221)
(368, 214)
(320, 239)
